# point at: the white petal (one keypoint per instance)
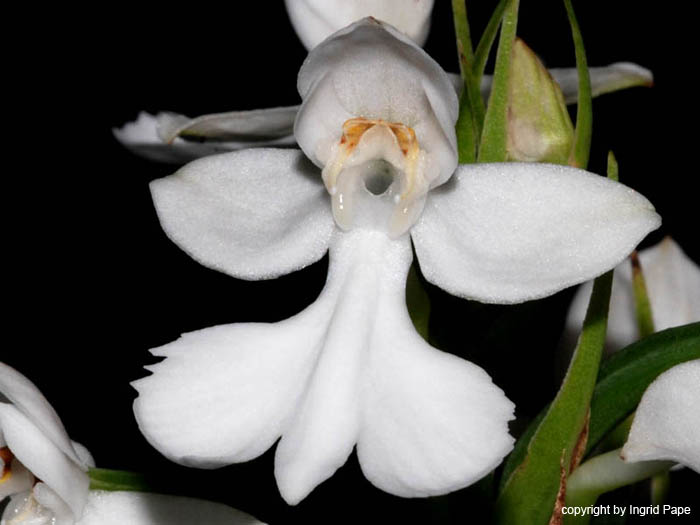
(364, 267)
(235, 126)
(43, 458)
(604, 79)
(673, 287)
(385, 76)
(314, 20)
(224, 394)
(667, 422)
(52, 502)
(425, 422)
(254, 214)
(320, 380)
(138, 508)
(143, 136)
(507, 233)
(17, 480)
(84, 454)
(31, 402)
(432, 423)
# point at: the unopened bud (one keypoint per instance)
(539, 126)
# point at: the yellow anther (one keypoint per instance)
(6, 457)
(363, 142)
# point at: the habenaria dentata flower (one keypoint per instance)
(44, 474)
(666, 424)
(377, 121)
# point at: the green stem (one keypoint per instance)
(492, 147)
(106, 479)
(602, 474)
(468, 125)
(645, 320)
(584, 113)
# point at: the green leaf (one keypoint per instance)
(468, 126)
(492, 147)
(488, 37)
(466, 132)
(622, 380)
(530, 491)
(584, 112)
(105, 479)
(418, 302)
(626, 375)
(645, 319)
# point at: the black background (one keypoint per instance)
(92, 282)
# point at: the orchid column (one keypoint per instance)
(377, 120)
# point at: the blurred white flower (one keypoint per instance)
(44, 474)
(36, 446)
(667, 421)
(377, 120)
(673, 286)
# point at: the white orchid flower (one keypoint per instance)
(673, 286)
(350, 371)
(667, 422)
(173, 138)
(44, 474)
(35, 446)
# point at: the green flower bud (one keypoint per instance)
(539, 126)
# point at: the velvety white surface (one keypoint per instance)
(137, 508)
(384, 76)
(314, 20)
(667, 422)
(27, 398)
(130, 508)
(512, 232)
(143, 136)
(673, 286)
(254, 214)
(350, 369)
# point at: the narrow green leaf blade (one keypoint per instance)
(645, 319)
(486, 41)
(468, 126)
(492, 147)
(519, 453)
(584, 112)
(626, 375)
(622, 380)
(530, 492)
(466, 133)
